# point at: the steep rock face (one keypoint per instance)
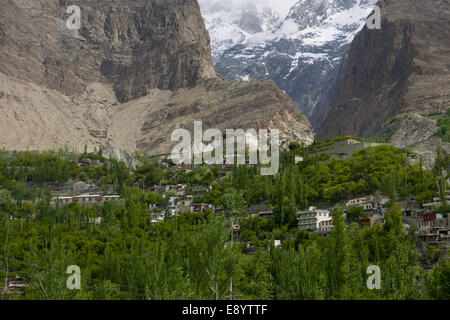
(418, 133)
(136, 45)
(133, 73)
(402, 68)
(414, 130)
(258, 105)
(37, 118)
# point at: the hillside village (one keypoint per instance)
(85, 189)
(431, 228)
(428, 228)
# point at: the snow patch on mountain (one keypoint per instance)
(233, 22)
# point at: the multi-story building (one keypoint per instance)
(428, 220)
(436, 236)
(201, 207)
(85, 199)
(358, 201)
(313, 219)
(370, 221)
(371, 203)
(326, 225)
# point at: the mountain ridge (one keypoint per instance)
(401, 68)
(133, 73)
(395, 78)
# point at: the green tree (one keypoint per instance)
(5, 197)
(438, 282)
(389, 186)
(84, 177)
(337, 254)
(355, 213)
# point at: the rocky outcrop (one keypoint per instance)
(427, 151)
(258, 105)
(402, 68)
(37, 118)
(418, 134)
(134, 72)
(136, 45)
(414, 130)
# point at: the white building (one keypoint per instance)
(359, 201)
(173, 206)
(87, 199)
(157, 218)
(369, 203)
(313, 219)
(298, 159)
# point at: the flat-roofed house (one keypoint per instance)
(85, 199)
(81, 186)
(261, 210)
(313, 219)
(201, 207)
(370, 221)
(436, 236)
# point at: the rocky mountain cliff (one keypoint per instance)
(135, 45)
(134, 72)
(402, 69)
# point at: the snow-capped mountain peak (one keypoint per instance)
(233, 22)
(300, 47)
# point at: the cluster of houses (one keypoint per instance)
(180, 202)
(165, 162)
(70, 188)
(374, 208)
(432, 228)
(321, 220)
(180, 189)
(84, 199)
